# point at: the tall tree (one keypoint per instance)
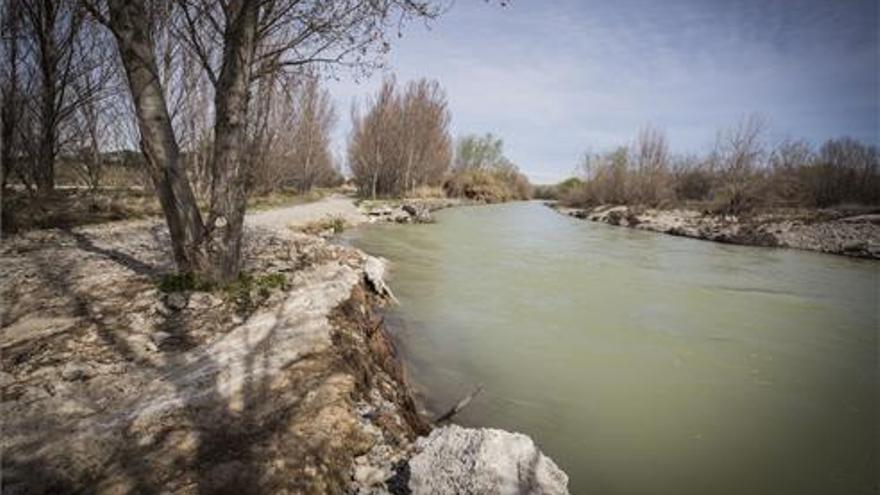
(237, 42)
(10, 91)
(53, 27)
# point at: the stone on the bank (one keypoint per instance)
(456, 460)
(418, 213)
(73, 372)
(374, 271)
(176, 301)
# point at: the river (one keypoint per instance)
(643, 363)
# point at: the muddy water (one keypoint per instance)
(644, 363)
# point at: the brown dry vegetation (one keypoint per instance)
(483, 173)
(402, 142)
(74, 206)
(740, 175)
(401, 148)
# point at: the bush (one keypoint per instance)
(333, 224)
(483, 173)
(692, 184)
(490, 186)
(737, 177)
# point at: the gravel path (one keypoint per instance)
(335, 205)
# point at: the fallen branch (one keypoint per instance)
(459, 406)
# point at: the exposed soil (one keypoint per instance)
(828, 231)
(111, 386)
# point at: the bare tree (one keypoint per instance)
(739, 155)
(52, 28)
(95, 89)
(650, 160)
(402, 142)
(11, 90)
(311, 159)
(237, 43)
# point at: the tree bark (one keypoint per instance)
(229, 164)
(128, 21)
(9, 114)
(44, 175)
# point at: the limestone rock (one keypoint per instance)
(374, 271)
(75, 372)
(176, 301)
(418, 213)
(456, 460)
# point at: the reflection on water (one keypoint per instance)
(644, 363)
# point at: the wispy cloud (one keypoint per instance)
(556, 78)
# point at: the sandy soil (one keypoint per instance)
(334, 206)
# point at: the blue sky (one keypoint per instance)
(555, 78)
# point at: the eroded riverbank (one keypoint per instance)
(113, 386)
(642, 363)
(830, 231)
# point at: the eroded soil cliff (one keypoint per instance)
(112, 386)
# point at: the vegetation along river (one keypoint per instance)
(641, 362)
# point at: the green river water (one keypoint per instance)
(643, 363)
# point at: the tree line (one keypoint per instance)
(203, 87)
(739, 174)
(401, 146)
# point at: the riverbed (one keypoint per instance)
(641, 362)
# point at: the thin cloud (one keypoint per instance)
(556, 78)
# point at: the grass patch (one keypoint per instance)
(247, 293)
(285, 197)
(250, 291)
(333, 224)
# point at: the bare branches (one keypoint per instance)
(403, 141)
(737, 177)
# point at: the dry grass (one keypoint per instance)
(72, 207)
(426, 192)
(329, 225)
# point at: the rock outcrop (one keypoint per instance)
(407, 211)
(482, 461)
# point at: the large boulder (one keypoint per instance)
(456, 460)
(419, 213)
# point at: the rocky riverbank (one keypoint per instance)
(115, 381)
(838, 232)
(418, 210)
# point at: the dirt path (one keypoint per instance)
(335, 205)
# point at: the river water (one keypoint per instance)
(643, 363)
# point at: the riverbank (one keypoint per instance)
(114, 382)
(838, 232)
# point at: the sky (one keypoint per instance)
(556, 78)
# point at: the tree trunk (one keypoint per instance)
(44, 173)
(9, 113)
(128, 21)
(228, 194)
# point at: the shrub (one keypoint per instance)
(738, 176)
(335, 224)
(483, 173)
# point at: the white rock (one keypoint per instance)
(374, 270)
(176, 301)
(456, 460)
(74, 372)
